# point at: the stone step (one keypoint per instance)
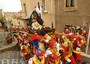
(11, 61)
(89, 50)
(9, 55)
(86, 57)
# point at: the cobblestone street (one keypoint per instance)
(11, 57)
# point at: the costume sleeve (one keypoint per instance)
(48, 52)
(58, 46)
(30, 61)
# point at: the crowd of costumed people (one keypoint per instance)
(44, 45)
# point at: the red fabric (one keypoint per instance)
(41, 53)
(52, 42)
(54, 56)
(72, 60)
(19, 41)
(66, 49)
(24, 35)
(34, 37)
(9, 40)
(34, 50)
(75, 45)
(61, 39)
(85, 34)
(79, 58)
(39, 37)
(78, 42)
(67, 31)
(45, 61)
(27, 57)
(72, 36)
(65, 53)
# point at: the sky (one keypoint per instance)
(10, 5)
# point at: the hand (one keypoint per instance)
(77, 49)
(46, 41)
(69, 60)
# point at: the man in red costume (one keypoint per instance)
(77, 44)
(67, 51)
(52, 53)
(38, 59)
(25, 50)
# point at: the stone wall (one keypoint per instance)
(80, 16)
(0, 13)
(48, 17)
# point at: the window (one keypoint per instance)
(44, 6)
(24, 5)
(70, 5)
(67, 3)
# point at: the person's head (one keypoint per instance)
(52, 43)
(71, 37)
(40, 54)
(34, 14)
(61, 38)
(34, 20)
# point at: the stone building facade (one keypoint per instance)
(48, 10)
(77, 14)
(60, 12)
(1, 13)
(14, 18)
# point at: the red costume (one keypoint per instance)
(77, 44)
(25, 51)
(67, 51)
(53, 53)
(38, 59)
